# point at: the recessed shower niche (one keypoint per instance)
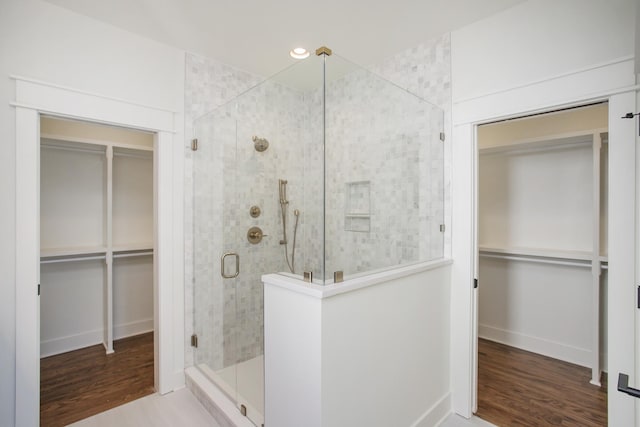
(357, 216)
(351, 180)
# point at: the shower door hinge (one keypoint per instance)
(475, 283)
(194, 341)
(194, 144)
(243, 410)
(442, 228)
(442, 136)
(38, 289)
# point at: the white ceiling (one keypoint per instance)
(256, 35)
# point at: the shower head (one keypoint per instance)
(260, 144)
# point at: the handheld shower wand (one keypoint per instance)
(282, 190)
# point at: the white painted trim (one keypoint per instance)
(50, 99)
(71, 342)
(575, 88)
(27, 267)
(436, 414)
(91, 94)
(108, 294)
(325, 291)
(592, 67)
(86, 339)
(58, 101)
(614, 82)
(132, 329)
(557, 350)
(622, 255)
(162, 265)
(596, 266)
(462, 273)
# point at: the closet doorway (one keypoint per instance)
(96, 268)
(542, 268)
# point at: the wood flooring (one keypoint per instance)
(85, 382)
(519, 388)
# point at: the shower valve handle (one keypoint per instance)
(255, 235)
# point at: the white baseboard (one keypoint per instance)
(70, 343)
(132, 328)
(74, 342)
(436, 414)
(568, 353)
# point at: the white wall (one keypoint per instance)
(45, 42)
(536, 56)
(538, 40)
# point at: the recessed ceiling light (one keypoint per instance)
(299, 53)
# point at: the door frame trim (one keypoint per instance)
(34, 98)
(614, 83)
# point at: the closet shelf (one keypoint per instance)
(72, 251)
(147, 246)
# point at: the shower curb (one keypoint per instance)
(221, 408)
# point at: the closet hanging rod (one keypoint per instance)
(134, 254)
(58, 260)
(538, 260)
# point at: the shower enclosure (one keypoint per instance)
(326, 154)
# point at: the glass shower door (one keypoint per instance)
(216, 260)
(230, 238)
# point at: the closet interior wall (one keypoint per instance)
(542, 232)
(96, 235)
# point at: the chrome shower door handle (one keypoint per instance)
(231, 276)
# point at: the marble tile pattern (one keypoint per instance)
(375, 132)
(380, 133)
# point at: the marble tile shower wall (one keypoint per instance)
(398, 162)
(295, 141)
(425, 70)
(208, 85)
(276, 113)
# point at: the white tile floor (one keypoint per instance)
(181, 408)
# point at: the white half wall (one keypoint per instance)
(358, 353)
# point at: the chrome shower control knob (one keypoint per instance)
(255, 235)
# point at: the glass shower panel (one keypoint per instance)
(214, 186)
(384, 173)
(253, 172)
(273, 135)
